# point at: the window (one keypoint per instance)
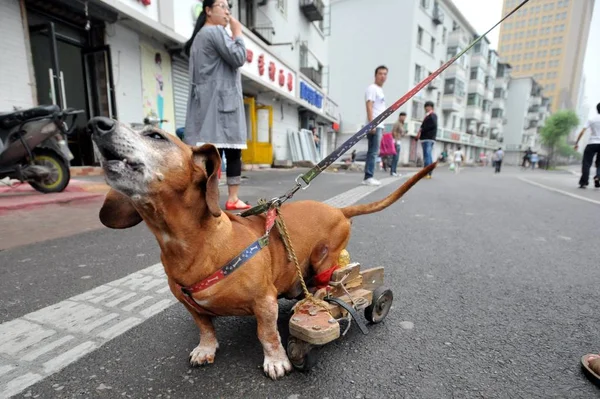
(432, 49)
(498, 93)
(418, 73)
(487, 105)
(420, 36)
(477, 48)
(474, 99)
(444, 33)
(417, 111)
(557, 40)
(425, 4)
(282, 6)
(454, 86)
(477, 74)
(497, 113)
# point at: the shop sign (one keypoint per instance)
(311, 95)
(331, 108)
(268, 69)
(147, 7)
(455, 136)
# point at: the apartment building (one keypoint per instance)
(528, 109)
(499, 114)
(413, 39)
(547, 40)
(123, 59)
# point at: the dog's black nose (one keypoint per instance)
(101, 125)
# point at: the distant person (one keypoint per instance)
(427, 134)
(533, 159)
(458, 157)
(592, 148)
(375, 103)
(398, 132)
(499, 156)
(527, 157)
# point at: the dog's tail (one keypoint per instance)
(365, 209)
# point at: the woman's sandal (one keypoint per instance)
(591, 365)
(237, 206)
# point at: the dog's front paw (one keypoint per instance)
(277, 367)
(202, 355)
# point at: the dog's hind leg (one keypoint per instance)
(204, 353)
(276, 362)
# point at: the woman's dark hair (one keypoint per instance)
(199, 24)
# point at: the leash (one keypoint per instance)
(309, 176)
(272, 206)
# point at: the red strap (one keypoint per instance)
(207, 282)
(322, 279)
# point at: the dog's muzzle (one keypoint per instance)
(101, 126)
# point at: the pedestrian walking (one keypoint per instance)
(398, 132)
(215, 112)
(458, 157)
(427, 134)
(375, 104)
(533, 159)
(499, 156)
(592, 148)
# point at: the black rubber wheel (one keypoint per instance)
(380, 307)
(59, 177)
(302, 355)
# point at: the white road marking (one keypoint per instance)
(579, 197)
(43, 342)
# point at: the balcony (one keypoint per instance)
(436, 84)
(450, 102)
(438, 15)
(456, 71)
(458, 38)
(313, 10)
(478, 60)
(476, 86)
(487, 118)
(498, 103)
(263, 27)
(536, 101)
(473, 112)
(312, 74)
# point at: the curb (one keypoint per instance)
(53, 201)
(86, 171)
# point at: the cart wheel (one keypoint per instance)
(379, 308)
(303, 355)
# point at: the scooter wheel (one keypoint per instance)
(380, 307)
(302, 355)
(60, 174)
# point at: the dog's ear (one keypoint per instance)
(118, 212)
(207, 157)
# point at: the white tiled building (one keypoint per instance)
(528, 110)
(123, 59)
(413, 39)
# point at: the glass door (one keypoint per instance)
(50, 88)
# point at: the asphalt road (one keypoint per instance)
(495, 287)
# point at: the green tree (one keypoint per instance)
(556, 129)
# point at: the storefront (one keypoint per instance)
(80, 55)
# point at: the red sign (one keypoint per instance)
(455, 136)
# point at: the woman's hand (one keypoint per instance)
(236, 27)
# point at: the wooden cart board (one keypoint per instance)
(372, 278)
(337, 311)
(313, 324)
(350, 272)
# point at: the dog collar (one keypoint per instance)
(232, 265)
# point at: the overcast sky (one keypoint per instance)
(484, 14)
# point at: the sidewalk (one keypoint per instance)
(21, 196)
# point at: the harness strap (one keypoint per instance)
(231, 266)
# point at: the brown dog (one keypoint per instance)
(174, 188)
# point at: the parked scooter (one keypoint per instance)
(33, 146)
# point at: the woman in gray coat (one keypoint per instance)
(215, 111)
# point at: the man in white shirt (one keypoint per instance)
(592, 148)
(375, 102)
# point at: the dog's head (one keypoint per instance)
(152, 167)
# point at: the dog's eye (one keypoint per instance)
(155, 136)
